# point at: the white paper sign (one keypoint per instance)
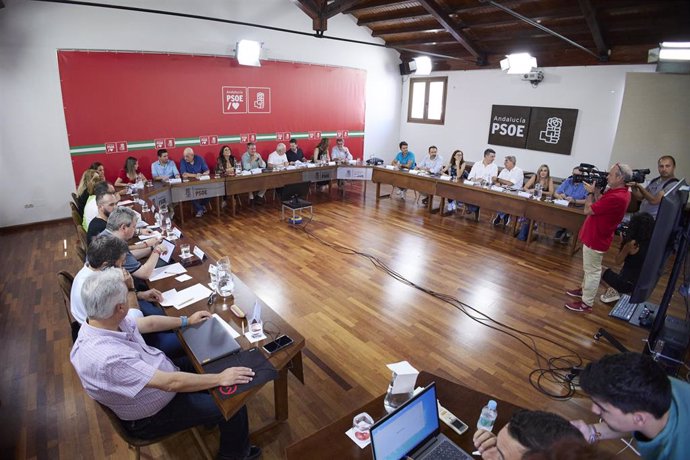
(405, 377)
(199, 253)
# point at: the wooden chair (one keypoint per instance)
(74, 208)
(81, 253)
(75, 199)
(76, 217)
(81, 234)
(65, 280)
(136, 443)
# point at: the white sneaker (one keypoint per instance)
(611, 295)
(455, 205)
(449, 207)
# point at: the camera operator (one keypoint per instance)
(651, 195)
(604, 212)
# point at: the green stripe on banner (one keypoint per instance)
(192, 141)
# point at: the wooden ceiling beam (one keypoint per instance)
(389, 16)
(406, 30)
(593, 24)
(338, 6)
(357, 9)
(422, 41)
(448, 23)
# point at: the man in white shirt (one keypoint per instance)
(340, 152)
(510, 176)
(432, 163)
(278, 159)
(484, 171)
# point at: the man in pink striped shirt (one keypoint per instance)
(150, 394)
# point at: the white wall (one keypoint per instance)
(655, 117)
(596, 91)
(33, 139)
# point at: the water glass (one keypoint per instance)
(185, 251)
(256, 328)
(149, 183)
(223, 264)
(164, 208)
(361, 423)
(145, 206)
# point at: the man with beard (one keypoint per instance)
(106, 202)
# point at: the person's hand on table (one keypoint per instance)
(159, 249)
(145, 231)
(235, 375)
(152, 295)
(485, 442)
(199, 316)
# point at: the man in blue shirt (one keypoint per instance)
(164, 169)
(575, 194)
(404, 160)
(193, 167)
(631, 393)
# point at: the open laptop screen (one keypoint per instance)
(409, 426)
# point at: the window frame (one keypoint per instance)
(426, 119)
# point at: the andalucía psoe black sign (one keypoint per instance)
(509, 124)
(535, 128)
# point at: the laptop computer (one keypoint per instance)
(413, 430)
(210, 340)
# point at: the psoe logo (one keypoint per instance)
(552, 133)
(234, 99)
(259, 100)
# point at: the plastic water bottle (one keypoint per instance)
(488, 416)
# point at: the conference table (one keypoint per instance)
(286, 360)
(466, 403)
(568, 217)
(216, 187)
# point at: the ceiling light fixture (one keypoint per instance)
(518, 63)
(248, 52)
(423, 65)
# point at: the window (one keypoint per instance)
(427, 102)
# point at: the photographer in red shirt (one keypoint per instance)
(604, 212)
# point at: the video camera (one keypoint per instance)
(590, 174)
(639, 175)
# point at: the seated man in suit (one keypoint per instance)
(527, 431)
(193, 166)
(150, 394)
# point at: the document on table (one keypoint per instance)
(150, 235)
(185, 297)
(561, 202)
(165, 272)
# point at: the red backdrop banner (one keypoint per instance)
(120, 104)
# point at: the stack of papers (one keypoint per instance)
(167, 271)
(525, 194)
(205, 177)
(185, 297)
(561, 202)
(175, 181)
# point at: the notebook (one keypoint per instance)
(210, 340)
(413, 430)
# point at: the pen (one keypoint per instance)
(186, 301)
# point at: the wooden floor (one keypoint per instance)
(355, 318)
